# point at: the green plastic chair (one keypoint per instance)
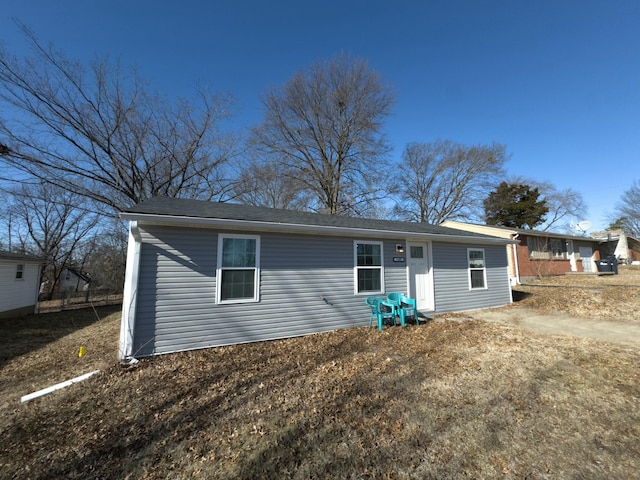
(394, 299)
(380, 310)
(408, 308)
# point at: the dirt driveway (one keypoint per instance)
(562, 324)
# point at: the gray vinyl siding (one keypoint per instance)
(395, 272)
(451, 278)
(306, 286)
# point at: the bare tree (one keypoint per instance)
(564, 205)
(103, 134)
(628, 209)
(104, 256)
(325, 128)
(6, 216)
(444, 180)
(269, 184)
(51, 223)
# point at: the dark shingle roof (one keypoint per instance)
(180, 207)
(20, 257)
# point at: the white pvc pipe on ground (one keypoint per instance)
(57, 386)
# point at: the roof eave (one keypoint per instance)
(23, 259)
(253, 225)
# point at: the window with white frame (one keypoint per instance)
(238, 268)
(369, 274)
(477, 268)
(19, 271)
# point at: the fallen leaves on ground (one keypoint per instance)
(449, 399)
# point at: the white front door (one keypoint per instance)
(420, 284)
(586, 255)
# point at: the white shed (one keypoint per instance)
(72, 280)
(19, 284)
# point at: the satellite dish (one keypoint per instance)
(583, 226)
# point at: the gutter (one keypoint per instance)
(253, 225)
(129, 299)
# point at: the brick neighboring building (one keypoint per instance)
(539, 253)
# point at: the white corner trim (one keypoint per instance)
(57, 386)
(125, 348)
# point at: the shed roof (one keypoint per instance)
(188, 211)
(20, 257)
(82, 276)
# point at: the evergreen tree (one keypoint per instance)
(515, 205)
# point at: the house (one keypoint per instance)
(203, 274)
(617, 243)
(71, 280)
(538, 253)
(19, 284)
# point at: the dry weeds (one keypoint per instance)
(444, 400)
(610, 297)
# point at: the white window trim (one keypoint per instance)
(219, 269)
(356, 267)
(484, 269)
(20, 269)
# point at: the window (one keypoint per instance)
(558, 248)
(238, 267)
(416, 252)
(477, 269)
(19, 271)
(368, 267)
(547, 248)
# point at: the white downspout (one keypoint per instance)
(515, 259)
(37, 304)
(127, 325)
(572, 256)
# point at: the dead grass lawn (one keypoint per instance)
(443, 400)
(610, 297)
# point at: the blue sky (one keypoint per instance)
(557, 82)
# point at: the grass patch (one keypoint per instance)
(448, 399)
(37, 351)
(611, 297)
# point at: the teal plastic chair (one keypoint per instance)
(408, 308)
(380, 310)
(395, 299)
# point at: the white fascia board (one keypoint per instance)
(252, 225)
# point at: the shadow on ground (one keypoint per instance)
(19, 336)
(518, 295)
